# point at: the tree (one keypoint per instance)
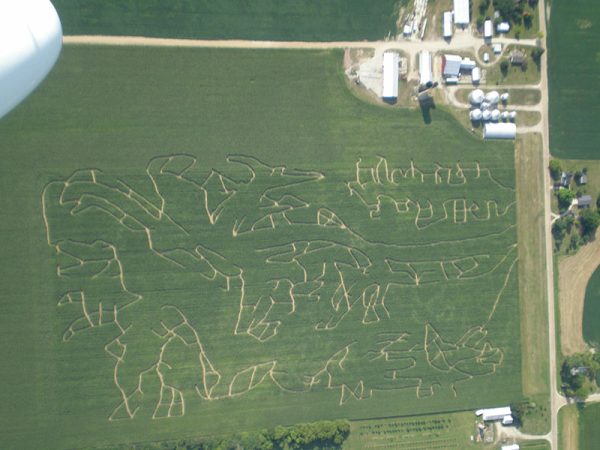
(555, 169)
(565, 197)
(527, 19)
(536, 54)
(598, 202)
(504, 67)
(589, 221)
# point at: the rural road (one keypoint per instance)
(460, 41)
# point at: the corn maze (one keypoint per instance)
(213, 283)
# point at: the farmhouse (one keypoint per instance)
(584, 201)
(494, 414)
(390, 76)
(517, 58)
(451, 65)
(447, 24)
(425, 68)
(461, 12)
(500, 131)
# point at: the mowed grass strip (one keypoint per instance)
(114, 110)
(573, 74)
(532, 263)
(283, 20)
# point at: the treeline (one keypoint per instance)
(579, 374)
(324, 435)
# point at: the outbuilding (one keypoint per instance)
(488, 29)
(447, 24)
(467, 64)
(584, 201)
(390, 76)
(451, 65)
(461, 12)
(510, 447)
(503, 27)
(476, 75)
(425, 75)
(499, 131)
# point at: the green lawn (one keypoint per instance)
(574, 72)
(202, 241)
(526, 74)
(303, 20)
(591, 312)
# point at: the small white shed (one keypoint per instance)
(500, 130)
(448, 24)
(488, 29)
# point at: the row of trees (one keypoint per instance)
(579, 374)
(513, 11)
(324, 435)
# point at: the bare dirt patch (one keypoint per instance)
(574, 274)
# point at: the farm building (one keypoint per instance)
(493, 414)
(476, 75)
(584, 201)
(503, 27)
(425, 68)
(497, 48)
(488, 29)
(447, 24)
(582, 179)
(390, 76)
(517, 58)
(461, 12)
(451, 65)
(510, 447)
(499, 131)
(467, 64)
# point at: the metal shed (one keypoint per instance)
(390, 75)
(500, 131)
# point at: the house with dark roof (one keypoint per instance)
(517, 57)
(584, 201)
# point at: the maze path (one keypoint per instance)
(289, 259)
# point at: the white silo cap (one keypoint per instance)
(486, 115)
(495, 115)
(513, 115)
(505, 115)
(476, 114)
(476, 97)
(492, 97)
(504, 97)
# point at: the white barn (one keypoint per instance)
(488, 29)
(499, 131)
(492, 414)
(425, 74)
(447, 24)
(510, 447)
(390, 76)
(461, 12)
(451, 65)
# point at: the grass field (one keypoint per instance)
(572, 43)
(302, 20)
(206, 241)
(591, 311)
(443, 431)
(568, 428)
(589, 433)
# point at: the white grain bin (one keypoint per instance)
(476, 115)
(476, 75)
(476, 97)
(495, 115)
(485, 105)
(492, 97)
(486, 115)
(512, 115)
(500, 131)
(504, 97)
(505, 116)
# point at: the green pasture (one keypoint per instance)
(302, 20)
(201, 241)
(589, 433)
(591, 311)
(574, 73)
